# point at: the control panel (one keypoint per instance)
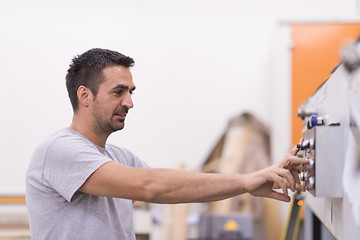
(322, 145)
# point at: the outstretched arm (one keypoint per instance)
(177, 186)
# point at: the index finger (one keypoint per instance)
(294, 150)
(297, 160)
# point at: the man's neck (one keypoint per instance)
(84, 129)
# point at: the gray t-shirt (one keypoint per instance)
(57, 210)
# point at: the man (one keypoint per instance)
(80, 187)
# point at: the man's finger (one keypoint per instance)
(289, 178)
(299, 187)
(284, 185)
(296, 176)
(294, 150)
(297, 160)
(299, 168)
(280, 196)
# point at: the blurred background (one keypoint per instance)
(201, 68)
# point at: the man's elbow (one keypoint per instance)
(149, 193)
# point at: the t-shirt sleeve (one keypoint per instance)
(126, 157)
(69, 163)
(139, 163)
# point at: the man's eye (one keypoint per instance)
(121, 92)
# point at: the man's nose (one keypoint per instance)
(127, 101)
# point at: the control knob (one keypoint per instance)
(315, 121)
(311, 164)
(311, 183)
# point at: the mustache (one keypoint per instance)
(121, 111)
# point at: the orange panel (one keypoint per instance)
(315, 53)
(12, 200)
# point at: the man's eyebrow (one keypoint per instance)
(123, 87)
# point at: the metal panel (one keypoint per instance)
(324, 174)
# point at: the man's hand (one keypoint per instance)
(283, 174)
(294, 165)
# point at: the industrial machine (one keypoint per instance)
(322, 145)
(330, 140)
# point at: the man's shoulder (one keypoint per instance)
(63, 139)
(48, 140)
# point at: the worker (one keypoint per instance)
(78, 186)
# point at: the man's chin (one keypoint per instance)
(117, 127)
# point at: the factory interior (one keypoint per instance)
(225, 87)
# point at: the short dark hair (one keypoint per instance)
(86, 70)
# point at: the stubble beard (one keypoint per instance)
(108, 126)
(115, 127)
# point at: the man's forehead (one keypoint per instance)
(116, 71)
(118, 75)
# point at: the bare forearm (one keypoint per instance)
(161, 185)
(176, 186)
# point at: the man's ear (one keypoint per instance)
(84, 95)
